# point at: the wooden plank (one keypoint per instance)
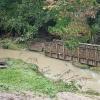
(63, 52)
(86, 53)
(57, 50)
(78, 54)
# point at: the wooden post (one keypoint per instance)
(86, 54)
(99, 58)
(57, 50)
(50, 49)
(63, 52)
(78, 51)
(95, 56)
(44, 50)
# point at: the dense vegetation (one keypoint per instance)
(67, 18)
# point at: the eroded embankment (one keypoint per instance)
(56, 69)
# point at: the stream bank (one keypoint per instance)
(56, 69)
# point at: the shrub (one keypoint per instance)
(8, 44)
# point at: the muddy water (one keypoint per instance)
(56, 69)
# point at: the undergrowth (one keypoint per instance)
(8, 43)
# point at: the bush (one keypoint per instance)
(8, 44)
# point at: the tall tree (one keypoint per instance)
(23, 17)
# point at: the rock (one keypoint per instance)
(3, 63)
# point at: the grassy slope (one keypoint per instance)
(20, 76)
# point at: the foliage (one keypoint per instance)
(9, 43)
(74, 11)
(94, 24)
(21, 76)
(23, 18)
(60, 26)
(73, 41)
(98, 1)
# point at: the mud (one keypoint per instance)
(56, 69)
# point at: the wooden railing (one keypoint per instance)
(86, 53)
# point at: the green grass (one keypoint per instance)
(9, 43)
(21, 76)
(91, 92)
(82, 66)
(96, 69)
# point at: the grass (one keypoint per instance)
(20, 76)
(82, 66)
(9, 43)
(91, 92)
(96, 69)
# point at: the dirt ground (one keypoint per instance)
(31, 96)
(57, 69)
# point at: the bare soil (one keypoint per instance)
(31, 96)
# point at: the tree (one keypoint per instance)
(23, 18)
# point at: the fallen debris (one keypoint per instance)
(3, 63)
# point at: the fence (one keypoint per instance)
(86, 53)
